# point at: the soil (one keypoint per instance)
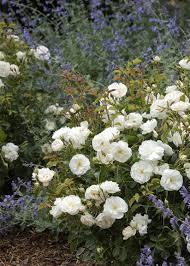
(32, 249)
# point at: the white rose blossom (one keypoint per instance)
(149, 126)
(151, 150)
(142, 171)
(71, 204)
(45, 175)
(56, 211)
(79, 164)
(180, 106)
(10, 151)
(110, 187)
(133, 121)
(94, 193)
(185, 63)
(87, 219)
(171, 180)
(104, 221)
(119, 122)
(140, 223)
(158, 109)
(21, 55)
(176, 139)
(171, 88)
(115, 207)
(121, 151)
(41, 53)
(128, 232)
(57, 145)
(117, 90)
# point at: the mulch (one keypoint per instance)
(32, 249)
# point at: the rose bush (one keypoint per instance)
(24, 97)
(118, 170)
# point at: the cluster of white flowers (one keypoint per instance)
(7, 69)
(41, 52)
(75, 136)
(138, 223)
(54, 109)
(108, 151)
(145, 159)
(44, 175)
(174, 100)
(10, 151)
(114, 207)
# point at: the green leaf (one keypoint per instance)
(3, 135)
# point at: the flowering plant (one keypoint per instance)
(117, 173)
(24, 97)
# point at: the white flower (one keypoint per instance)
(111, 133)
(140, 222)
(158, 109)
(75, 136)
(156, 59)
(94, 192)
(14, 70)
(115, 207)
(56, 209)
(79, 164)
(75, 108)
(87, 219)
(171, 88)
(141, 171)
(180, 106)
(50, 125)
(133, 120)
(21, 55)
(171, 180)
(167, 149)
(110, 187)
(57, 145)
(105, 156)
(45, 175)
(128, 232)
(185, 63)
(61, 133)
(174, 96)
(13, 37)
(10, 151)
(158, 170)
(46, 148)
(54, 109)
(100, 141)
(104, 221)
(121, 151)
(176, 139)
(4, 69)
(151, 150)
(150, 98)
(117, 90)
(41, 53)
(119, 122)
(149, 126)
(71, 204)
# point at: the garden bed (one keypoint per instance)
(32, 249)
